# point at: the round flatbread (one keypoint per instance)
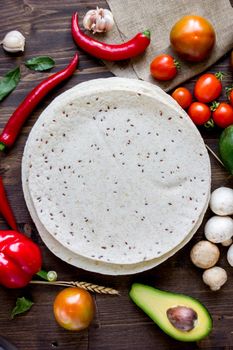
(134, 238)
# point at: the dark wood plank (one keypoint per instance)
(118, 323)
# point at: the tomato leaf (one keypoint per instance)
(40, 63)
(22, 305)
(9, 82)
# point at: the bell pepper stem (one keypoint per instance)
(50, 276)
(43, 274)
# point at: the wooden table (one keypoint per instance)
(118, 323)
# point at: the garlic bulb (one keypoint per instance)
(13, 41)
(98, 21)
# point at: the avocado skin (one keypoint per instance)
(183, 299)
(226, 148)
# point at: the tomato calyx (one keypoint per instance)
(219, 76)
(210, 124)
(214, 106)
(177, 64)
(228, 90)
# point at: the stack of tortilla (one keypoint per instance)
(116, 176)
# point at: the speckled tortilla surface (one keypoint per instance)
(117, 183)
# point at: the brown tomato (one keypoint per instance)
(193, 38)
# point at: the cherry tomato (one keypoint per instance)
(74, 309)
(223, 115)
(164, 67)
(193, 38)
(230, 96)
(183, 96)
(199, 113)
(208, 87)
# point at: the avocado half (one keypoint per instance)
(156, 303)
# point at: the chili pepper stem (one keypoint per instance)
(84, 285)
(146, 33)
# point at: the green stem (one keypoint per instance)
(214, 106)
(43, 274)
(177, 64)
(146, 33)
(219, 76)
(209, 124)
(2, 147)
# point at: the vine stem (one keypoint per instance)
(84, 285)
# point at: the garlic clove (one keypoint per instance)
(13, 41)
(89, 19)
(100, 25)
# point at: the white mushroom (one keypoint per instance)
(221, 201)
(219, 229)
(215, 277)
(204, 254)
(227, 243)
(230, 255)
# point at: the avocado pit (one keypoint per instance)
(182, 318)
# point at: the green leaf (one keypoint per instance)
(22, 305)
(40, 63)
(9, 82)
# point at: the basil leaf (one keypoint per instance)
(9, 82)
(22, 305)
(40, 63)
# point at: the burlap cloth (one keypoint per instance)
(133, 16)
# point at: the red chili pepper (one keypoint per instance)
(20, 259)
(110, 52)
(16, 121)
(5, 208)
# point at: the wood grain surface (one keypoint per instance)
(118, 324)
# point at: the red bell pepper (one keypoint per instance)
(20, 259)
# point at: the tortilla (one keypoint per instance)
(153, 182)
(79, 261)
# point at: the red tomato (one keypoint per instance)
(193, 38)
(163, 67)
(223, 115)
(183, 96)
(207, 88)
(74, 309)
(199, 113)
(230, 96)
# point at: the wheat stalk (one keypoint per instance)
(94, 288)
(215, 155)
